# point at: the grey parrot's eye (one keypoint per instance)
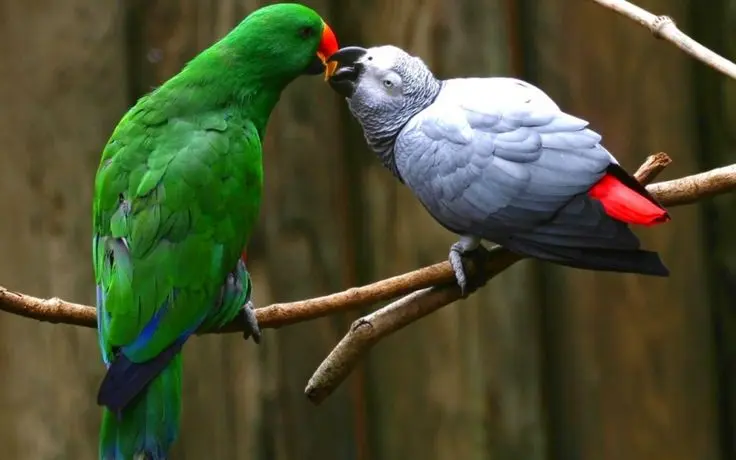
(388, 83)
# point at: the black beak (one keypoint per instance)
(346, 76)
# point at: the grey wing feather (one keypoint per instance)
(493, 157)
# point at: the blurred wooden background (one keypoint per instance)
(544, 363)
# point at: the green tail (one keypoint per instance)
(149, 425)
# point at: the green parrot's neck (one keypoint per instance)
(221, 79)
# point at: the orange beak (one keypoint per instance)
(327, 47)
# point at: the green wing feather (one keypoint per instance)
(182, 194)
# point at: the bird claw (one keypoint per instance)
(251, 323)
(478, 255)
(456, 260)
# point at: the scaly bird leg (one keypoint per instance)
(235, 301)
(251, 323)
(466, 244)
(249, 313)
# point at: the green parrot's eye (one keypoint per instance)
(306, 32)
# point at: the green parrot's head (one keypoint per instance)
(286, 39)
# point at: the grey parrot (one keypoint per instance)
(496, 159)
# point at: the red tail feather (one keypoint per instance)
(627, 205)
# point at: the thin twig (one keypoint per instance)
(652, 166)
(690, 189)
(664, 27)
(368, 330)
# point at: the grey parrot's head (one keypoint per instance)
(381, 81)
(384, 86)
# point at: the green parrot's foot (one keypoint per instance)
(251, 322)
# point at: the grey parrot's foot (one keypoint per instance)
(251, 323)
(471, 248)
(456, 260)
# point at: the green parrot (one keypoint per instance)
(177, 194)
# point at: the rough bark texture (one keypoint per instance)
(62, 87)
(631, 363)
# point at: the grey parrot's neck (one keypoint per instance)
(381, 132)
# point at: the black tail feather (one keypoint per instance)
(583, 236)
(611, 260)
(125, 379)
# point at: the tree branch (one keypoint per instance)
(664, 27)
(675, 192)
(368, 330)
(694, 188)
(274, 316)
(435, 286)
(55, 310)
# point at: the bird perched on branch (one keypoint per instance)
(177, 194)
(496, 159)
